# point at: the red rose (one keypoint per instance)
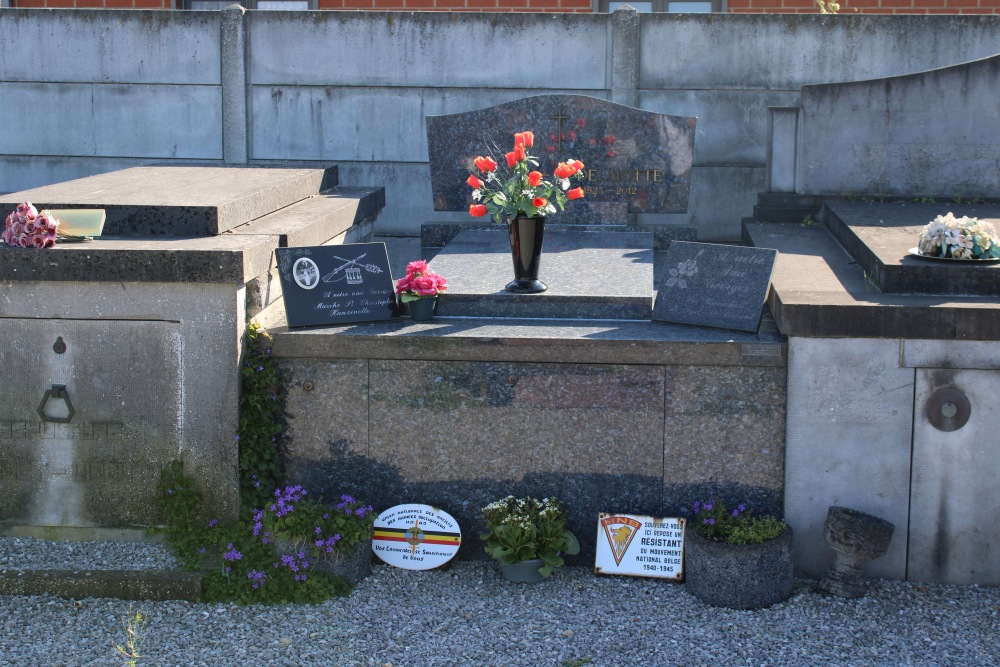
(474, 182)
(519, 153)
(563, 170)
(534, 178)
(477, 210)
(486, 164)
(579, 165)
(529, 139)
(538, 202)
(511, 159)
(575, 193)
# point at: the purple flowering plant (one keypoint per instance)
(306, 530)
(738, 525)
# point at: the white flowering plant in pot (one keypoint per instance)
(520, 529)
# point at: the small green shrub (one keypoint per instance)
(714, 521)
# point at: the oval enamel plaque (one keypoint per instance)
(416, 537)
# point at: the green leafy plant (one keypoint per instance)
(714, 521)
(520, 529)
(181, 501)
(262, 423)
(134, 624)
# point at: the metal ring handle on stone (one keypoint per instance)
(58, 391)
(948, 409)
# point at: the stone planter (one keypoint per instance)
(738, 576)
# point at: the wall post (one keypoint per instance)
(235, 113)
(624, 69)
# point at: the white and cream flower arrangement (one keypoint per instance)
(959, 238)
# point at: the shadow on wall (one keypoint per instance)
(586, 495)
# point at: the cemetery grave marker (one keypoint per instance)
(641, 546)
(636, 161)
(714, 285)
(336, 284)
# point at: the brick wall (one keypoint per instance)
(869, 6)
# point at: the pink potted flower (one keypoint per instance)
(419, 289)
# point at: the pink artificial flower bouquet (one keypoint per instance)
(419, 283)
(27, 229)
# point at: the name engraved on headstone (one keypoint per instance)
(336, 284)
(96, 470)
(714, 285)
(634, 157)
(92, 463)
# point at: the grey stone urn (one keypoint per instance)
(857, 538)
(738, 576)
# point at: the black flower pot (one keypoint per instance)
(526, 235)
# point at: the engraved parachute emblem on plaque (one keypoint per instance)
(351, 270)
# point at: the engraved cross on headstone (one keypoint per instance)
(559, 117)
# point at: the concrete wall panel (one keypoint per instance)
(732, 124)
(848, 443)
(370, 124)
(110, 46)
(112, 120)
(787, 51)
(935, 133)
(540, 51)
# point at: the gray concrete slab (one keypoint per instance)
(818, 289)
(179, 201)
(315, 220)
(880, 236)
(590, 276)
(230, 258)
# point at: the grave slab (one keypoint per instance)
(714, 285)
(180, 201)
(880, 235)
(590, 275)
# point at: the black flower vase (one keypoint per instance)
(526, 236)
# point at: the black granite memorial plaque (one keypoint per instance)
(635, 157)
(336, 284)
(714, 285)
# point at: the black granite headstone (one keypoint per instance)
(632, 157)
(714, 285)
(336, 284)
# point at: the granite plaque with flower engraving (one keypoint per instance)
(714, 285)
(636, 161)
(336, 284)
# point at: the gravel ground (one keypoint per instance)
(469, 616)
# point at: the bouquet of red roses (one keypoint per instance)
(524, 192)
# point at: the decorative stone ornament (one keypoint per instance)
(857, 538)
